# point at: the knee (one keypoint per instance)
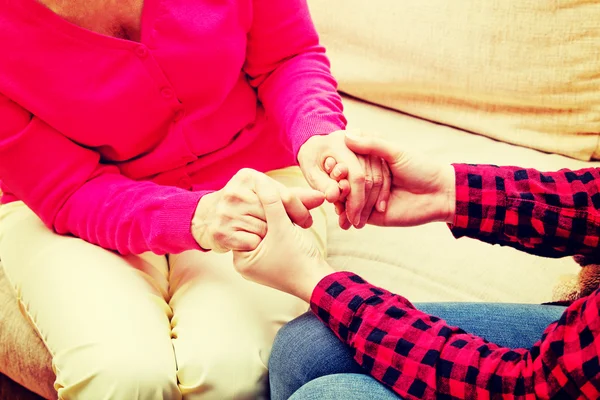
(233, 370)
(294, 344)
(306, 349)
(342, 387)
(119, 376)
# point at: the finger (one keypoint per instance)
(344, 222)
(356, 198)
(339, 172)
(269, 195)
(330, 163)
(250, 224)
(372, 195)
(366, 161)
(344, 186)
(309, 197)
(339, 208)
(353, 207)
(243, 241)
(374, 146)
(318, 179)
(384, 194)
(296, 210)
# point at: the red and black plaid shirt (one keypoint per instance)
(420, 357)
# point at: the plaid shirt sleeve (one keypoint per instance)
(420, 357)
(552, 214)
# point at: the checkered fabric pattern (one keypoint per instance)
(552, 214)
(420, 357)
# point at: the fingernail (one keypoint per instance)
(357, 220)
(329, 164)
(336, 173)
(351, 136)
(382, 206)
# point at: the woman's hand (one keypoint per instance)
(286, 259)
(365, 176)
(377, 172)
(422, 190)
(233, 218)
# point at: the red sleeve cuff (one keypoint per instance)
(480, 201)
(173, 227)
(339, 296)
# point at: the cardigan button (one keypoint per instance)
(141, 52)
(167, 93)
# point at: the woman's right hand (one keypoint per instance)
(233, 218)
(422, 190)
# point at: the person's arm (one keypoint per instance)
(289, 69)
(420, 357)
(68, 187)
(552, 214)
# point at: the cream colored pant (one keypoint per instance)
(148, 326)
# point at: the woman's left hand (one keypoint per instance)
(368, 177)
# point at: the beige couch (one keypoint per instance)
(423, 263)
(519, 71)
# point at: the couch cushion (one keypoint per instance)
(426, 263)
(520, 71)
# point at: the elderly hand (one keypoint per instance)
(286, 259)
(366, 176)
(233, 218)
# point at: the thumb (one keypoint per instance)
(374, 146)
(309, 197)
(318, 179)
(270, 198)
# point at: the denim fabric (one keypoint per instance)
(305, 349)
(344, 387)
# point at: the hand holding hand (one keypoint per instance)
(233, 218)
(366, 180)
(422, 190)
(286, 259)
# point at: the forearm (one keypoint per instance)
(420, 357)
(291, 72)
(130, 217)
(551, 214)
(73, 193)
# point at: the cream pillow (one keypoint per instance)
(521, 71)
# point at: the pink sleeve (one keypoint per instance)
(289, 68)
(73, 193)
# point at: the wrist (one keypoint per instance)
(314, 274)
(305, 147)
(450, 193)
(200, 220)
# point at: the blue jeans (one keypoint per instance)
(309, 362)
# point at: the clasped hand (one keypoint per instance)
(422, 191)
(233, 218)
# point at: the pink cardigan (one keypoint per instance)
(115, 141)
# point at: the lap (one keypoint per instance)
(97, 312)
(508, 325)
(92, 306)
(306, 349)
